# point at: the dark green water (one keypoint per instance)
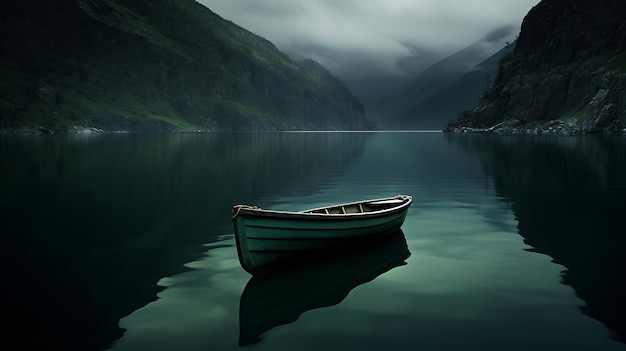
(124, 242)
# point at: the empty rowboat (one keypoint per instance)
(268, 239)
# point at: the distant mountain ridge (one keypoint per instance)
(156, 65)
(444, 89)
(567, 73)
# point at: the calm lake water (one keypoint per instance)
(124, 242)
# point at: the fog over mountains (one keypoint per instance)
(379, 47)
(293, 65)
(444, 89)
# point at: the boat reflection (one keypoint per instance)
(281, 297)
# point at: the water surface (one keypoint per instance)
(124, 242)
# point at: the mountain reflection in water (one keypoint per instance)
(280, 298)
(570, 198)
(95, 220)
(104, 242)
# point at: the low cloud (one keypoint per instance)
(361, 37)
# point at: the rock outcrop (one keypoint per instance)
(568, 70)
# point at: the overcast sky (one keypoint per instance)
(359, 40)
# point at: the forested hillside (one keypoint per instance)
(156, 65)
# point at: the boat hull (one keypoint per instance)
(268, 239)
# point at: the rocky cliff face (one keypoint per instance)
(156, 65)
(566, 75)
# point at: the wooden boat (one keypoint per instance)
(276, 299)
(267, 239)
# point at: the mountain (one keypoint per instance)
(567, 73)
(156, 65)
(436, 110)
(424, 103)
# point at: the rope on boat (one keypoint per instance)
(237, 209)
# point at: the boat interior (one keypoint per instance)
(361, 207)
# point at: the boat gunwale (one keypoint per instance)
(308, 214)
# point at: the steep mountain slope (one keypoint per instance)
(156, 65)
(568, 70)
(412, 107)
(437, 109)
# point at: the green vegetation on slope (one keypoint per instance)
(157, 65)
